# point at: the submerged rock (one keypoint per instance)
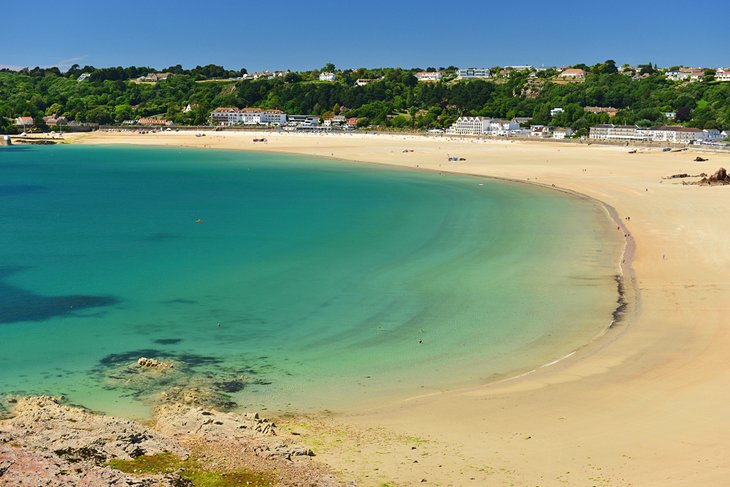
(151, 362)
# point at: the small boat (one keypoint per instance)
(632, 151)
(199, 220)
(666, 149)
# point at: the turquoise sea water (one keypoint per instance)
(308, 284)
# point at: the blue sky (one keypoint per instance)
(301, 35)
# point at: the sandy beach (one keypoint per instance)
(643, 405)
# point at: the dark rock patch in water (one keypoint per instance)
(167, 341)
(18, 304)
(190, 378)
(124, 358)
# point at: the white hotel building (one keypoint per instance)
(669, 134)
(483, 126)
(226, 116)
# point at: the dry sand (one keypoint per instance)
(645, 405)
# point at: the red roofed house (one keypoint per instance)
(24, 122)
(572, 73)
(153, 121)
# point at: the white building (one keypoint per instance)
(556, 111)
(302, 120)
(618, 132)
(483, 126)
(470, 125)
(562, 132)
(502, 127)
(722, 74)
(225, 116)
(677, 75)
(273, 117)
(670, 134)
(327, 76)
(336, 121)
(473, 73)
(247, 116)
(83, 76)
(250, 116)
(676, 135)
(429, 76)
(713, 135)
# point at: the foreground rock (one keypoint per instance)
(75, 433)
(45, 442)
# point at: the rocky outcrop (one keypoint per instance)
(45, 423)
(720, 177)
(178, 419)
(23, 467)
(45, 442)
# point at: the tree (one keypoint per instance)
(646, 69)
(329, 68)
(54, 109)
(683, 114)
(609, 67)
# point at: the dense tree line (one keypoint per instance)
(394, 98)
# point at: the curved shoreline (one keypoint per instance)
(646, 408)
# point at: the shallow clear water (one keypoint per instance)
(326, 284)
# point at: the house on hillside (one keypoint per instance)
(610, 111)
(83, 76)
(554, 112)
(153, 77)
(572, 73)
(429, 75)
(722, 74)
(327, 76)
(473, 73)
